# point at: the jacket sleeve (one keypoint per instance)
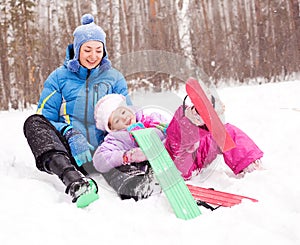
(156, 121)
(50, 101)
(109, 154)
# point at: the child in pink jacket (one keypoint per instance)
(187, 140)
(192, 147)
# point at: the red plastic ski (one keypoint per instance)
(209, 115)
(218, 198)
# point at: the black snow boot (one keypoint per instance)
(131, 181)
(83, 190)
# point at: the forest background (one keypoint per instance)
(229, 40)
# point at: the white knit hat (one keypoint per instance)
(104, 107)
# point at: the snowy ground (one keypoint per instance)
(35, 210)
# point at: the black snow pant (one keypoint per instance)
(52, 155)
(51, 150)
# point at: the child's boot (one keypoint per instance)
(130, 182)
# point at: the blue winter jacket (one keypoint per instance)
(68, 98)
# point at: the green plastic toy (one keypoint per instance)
(88, 197)
(168, 176)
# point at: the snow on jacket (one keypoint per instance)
(110, 153)
(68, 98)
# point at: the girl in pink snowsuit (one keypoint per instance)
(192, 147)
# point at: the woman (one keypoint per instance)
(62, 134)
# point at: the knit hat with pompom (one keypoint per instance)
(88, 31)
(104, 108)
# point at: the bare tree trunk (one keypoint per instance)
(260, 39)
(208, 37)
(4, 82)
(183, 25)
(294, 35)
(27, 62)
(85, 7)
(252, 37)
(115, 27)
(124, 30)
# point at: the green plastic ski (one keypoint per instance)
(167, 174)
(88, 197)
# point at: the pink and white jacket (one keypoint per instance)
(192, 147)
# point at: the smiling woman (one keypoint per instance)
(91, 54)
(62, 134)
(89, 40)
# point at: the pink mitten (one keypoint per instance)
(134, 155)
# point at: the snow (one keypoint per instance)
(35, 210)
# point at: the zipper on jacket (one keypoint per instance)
(86, 106)
(97, 96)
(95, 99)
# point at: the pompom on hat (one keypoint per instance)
(88, 31)
(104, 107)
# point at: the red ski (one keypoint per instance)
(217, 198)
(209, 115)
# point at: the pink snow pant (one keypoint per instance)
(192, 147)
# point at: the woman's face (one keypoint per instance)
(121, 118)
(91, 54)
